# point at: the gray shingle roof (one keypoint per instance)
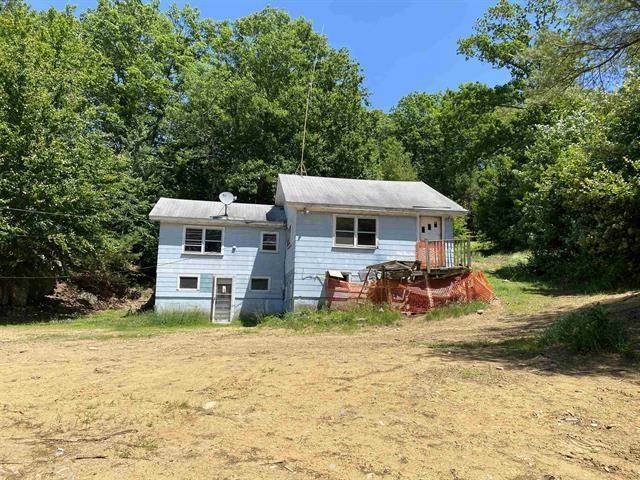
(346, 192)
(168, 208)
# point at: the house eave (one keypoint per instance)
(378, 210)
(217, 221)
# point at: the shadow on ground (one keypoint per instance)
(516, 346)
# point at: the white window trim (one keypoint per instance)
(180, 275)
(277, 234)
(203, 228)
(268, 279)
(355, 231)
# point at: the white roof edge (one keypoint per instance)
(215, 222)
(382, 210)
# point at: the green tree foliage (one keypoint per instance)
(583, 212)
(449, 135)
(104, 112)
(52, 156)
(504, 34)
(599, 41)
(243, 122)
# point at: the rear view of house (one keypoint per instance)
(255, 259)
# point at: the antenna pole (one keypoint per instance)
(302, 170)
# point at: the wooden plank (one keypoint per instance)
(426, 247)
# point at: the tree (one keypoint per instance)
(57, 173)
(242, 121)
(599, 42)
(503, 35)
(450, 136)
(137, 81)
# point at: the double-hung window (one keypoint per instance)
(269, 242)
(202, 240)
(356, 232)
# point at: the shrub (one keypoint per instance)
(587, 332)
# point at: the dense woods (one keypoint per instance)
(103, 111)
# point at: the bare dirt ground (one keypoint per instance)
(397, 402)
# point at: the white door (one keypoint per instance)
(430, 228)
(222, 300)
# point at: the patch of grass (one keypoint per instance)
(589, 331)
(321, 320)
(145, 442)
(174, 405)
(129, 323)
(521, 344)
(453, 310)
(513, 283)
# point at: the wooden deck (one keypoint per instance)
(443, 256)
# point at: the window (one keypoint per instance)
(260, 284)
(202, 240)
(367, 232)
(356, 232)
(188, 282)
(269, 242)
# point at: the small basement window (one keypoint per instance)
(202, 240)
(188, 282)
(356, 232)
(260, 284)
(269, 242)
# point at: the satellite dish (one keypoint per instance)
(227, 198)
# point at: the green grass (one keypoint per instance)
(529, 344)
(454, 310)
(518, 290)
(123, 321)
(321, 320)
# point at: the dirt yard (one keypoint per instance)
(423, 400)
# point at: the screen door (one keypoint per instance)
(222, 300)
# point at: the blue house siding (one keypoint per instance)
(315, 253)
(240, 261)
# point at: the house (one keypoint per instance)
(258, 259)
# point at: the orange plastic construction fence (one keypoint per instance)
(411, 297)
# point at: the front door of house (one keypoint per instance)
(222, 299)
(430, 228)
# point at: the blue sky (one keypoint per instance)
(401, 45)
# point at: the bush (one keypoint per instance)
(590, 331)
(348, 319)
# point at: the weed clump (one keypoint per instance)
(348, 319)
(590, 331)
